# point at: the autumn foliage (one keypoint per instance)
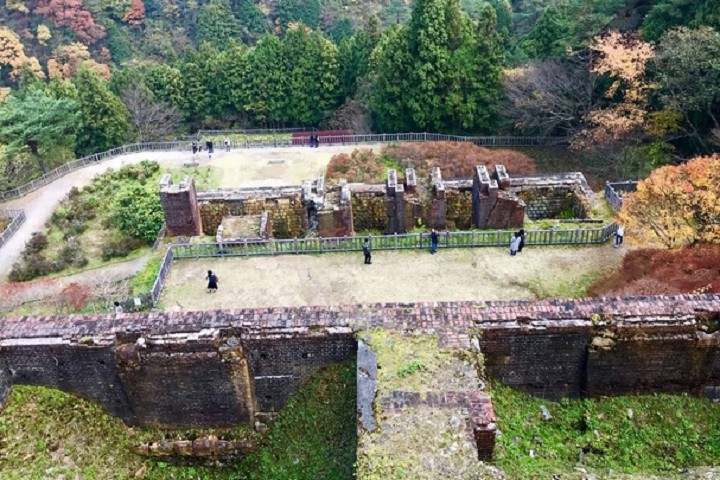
(12, 54)
(67, 59)
(664, 272)
(623, 59)
(455, 159)
(71, 14)
(676, 205)
(136, 14)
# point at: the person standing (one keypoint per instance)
(118, 308)
(433, 241)
(227, 144)
(521, 234)
(514, 244)
(194, 147)
(212, 282)
(367, 252)
(619, 234)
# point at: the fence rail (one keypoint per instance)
(498, 238)
(274, 143)
(162, 276)
(611, 192)
(18, 218)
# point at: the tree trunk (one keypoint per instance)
(33, 144)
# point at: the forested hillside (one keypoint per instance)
(634, 82)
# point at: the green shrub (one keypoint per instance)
(137, 212)
(120, 248)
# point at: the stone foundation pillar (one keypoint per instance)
(338, 220)
(484, 196)
(395, 204)
(180, 206)
(437, 216)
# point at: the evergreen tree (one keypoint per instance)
(232, 65)
(266, 82)
(312, 76)
(36, 121)
(104, 117)
(252, 21)
(354, 55)
(306, 12)
(391, 64)
(438, 74)
(197, 97)
(216, 24)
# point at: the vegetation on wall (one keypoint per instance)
(313, 438)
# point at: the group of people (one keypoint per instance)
(197, 147)
(314, 141)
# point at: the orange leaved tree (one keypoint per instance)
(676, 205)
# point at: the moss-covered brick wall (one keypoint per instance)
(289, 218)
(552, 202)
(459, 209)
(369, 212)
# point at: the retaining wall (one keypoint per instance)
(223, 367)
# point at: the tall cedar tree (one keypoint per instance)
(104, 117)
(266, 83)
(312, 76)
(439, 73)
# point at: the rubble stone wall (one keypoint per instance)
(369, 211)
(552, 202)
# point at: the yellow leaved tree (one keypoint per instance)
(676, 205)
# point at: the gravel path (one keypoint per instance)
(240, 168)
(394, 276)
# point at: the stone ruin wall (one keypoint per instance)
(486, 201)
(220, 368)
(284, 206)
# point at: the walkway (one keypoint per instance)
(239, 168)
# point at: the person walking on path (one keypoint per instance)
(514, 244)
(227, 144)
(433, 241)
(194, 147)
(521, 234)
(619, 234)
(212, 282)
(367, 252)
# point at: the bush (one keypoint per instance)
(72, 254)
(120, 248)
(36, 244)
(137, 212)
(31, 266)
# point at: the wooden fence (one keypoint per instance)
(18, 218)
(408, 241)
(611, 192)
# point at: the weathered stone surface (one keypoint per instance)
(180, 206)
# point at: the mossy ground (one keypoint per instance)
(47, 434)
(663, 434)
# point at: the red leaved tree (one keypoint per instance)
(71, 14)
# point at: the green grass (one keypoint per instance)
(666, 432)
(145, 279)
(206, 178)
(45, 433)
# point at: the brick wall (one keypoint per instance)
(229, 365)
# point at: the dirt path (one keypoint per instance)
(240, 168)
(412, 276)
